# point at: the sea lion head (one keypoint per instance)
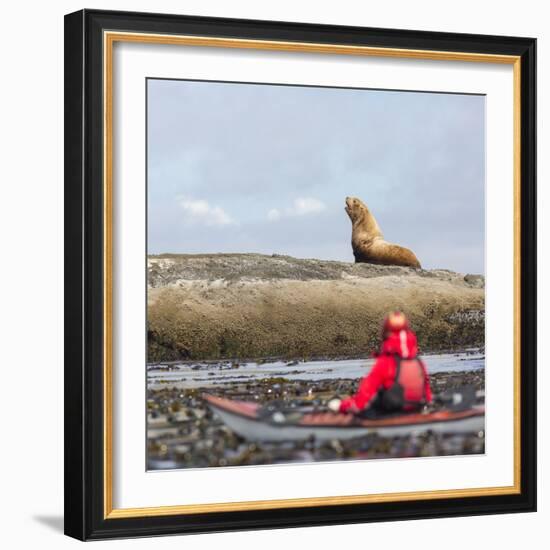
(356, 209)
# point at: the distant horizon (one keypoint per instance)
(265, 169)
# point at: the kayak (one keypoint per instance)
(250, 421)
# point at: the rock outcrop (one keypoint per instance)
(213, 306)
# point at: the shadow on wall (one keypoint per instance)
(55, 523)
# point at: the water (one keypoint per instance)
(204, 375)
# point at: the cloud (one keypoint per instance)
(273, 215)
(300, 207)
(200, 212)
(305, 206)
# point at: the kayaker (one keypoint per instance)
(398, 381)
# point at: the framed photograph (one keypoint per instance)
(300, 274)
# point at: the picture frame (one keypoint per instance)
(90, 293)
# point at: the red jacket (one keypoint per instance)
(382, 375)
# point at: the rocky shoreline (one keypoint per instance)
(183, 432)
(235, 306)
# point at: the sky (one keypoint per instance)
(266, 168)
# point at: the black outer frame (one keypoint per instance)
(84, 518)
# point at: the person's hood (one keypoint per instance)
(402, 343)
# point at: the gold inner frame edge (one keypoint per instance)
(109, 38)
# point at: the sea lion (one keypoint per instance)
(368, 242)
